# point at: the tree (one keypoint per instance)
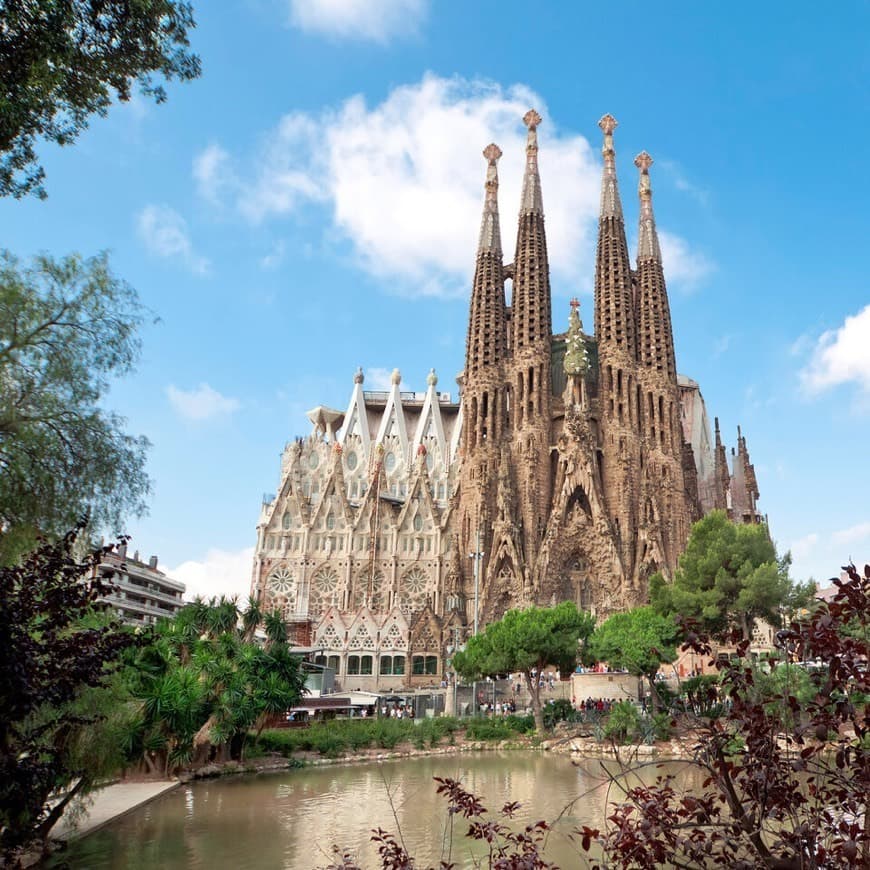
(527, 641)
(51, 653)
(67, 327)
(202, 684)
(62, 61)
(638, 641)
(729, 575)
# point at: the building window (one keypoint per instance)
(427, 665)
(390, 461)
(285, 520)
(386, 666)
(418, 522)
(365, 665)
(350, 461)
(330, 521)
(333, 662)
(398, 665)
(352, 666)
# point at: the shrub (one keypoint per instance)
(623, 721)
(561, 710)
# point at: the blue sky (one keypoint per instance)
(311, 204)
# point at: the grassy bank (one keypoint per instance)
(342, 737)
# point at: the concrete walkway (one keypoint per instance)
(111, 803)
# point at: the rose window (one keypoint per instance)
(281, 581)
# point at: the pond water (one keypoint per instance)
(292, 819)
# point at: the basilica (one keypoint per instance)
(570, 466)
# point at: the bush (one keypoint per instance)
(561, 710)
(521, 724)
(623, 722)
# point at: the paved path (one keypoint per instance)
(111, 803)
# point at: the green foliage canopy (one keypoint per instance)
(62, 61)
(638, 641)
(728, 576)
(527, 640)
(67, 328)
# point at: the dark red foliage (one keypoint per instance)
(45, 661)
(773, 796)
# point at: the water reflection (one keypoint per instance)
(291, 820)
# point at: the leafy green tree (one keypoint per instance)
(527, 641)
(638, 641)
(55, 658)
(67, 328)
(729, 575)
(62, 61)
(202, 684)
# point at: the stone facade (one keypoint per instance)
(572, 469)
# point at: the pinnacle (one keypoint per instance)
(492, 153)
(531, 119)
(608, 124)
(643, 161)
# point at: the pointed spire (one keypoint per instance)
(648, 240)
(486, 326)
(614, 298)
(655, 340)
(610, 202)
(532, 200)
(490, 232)
(531, 315)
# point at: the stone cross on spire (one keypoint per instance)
(610, 203)
(648, 240)
(490, 232)
(532, 200)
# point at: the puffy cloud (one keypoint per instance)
(221, 572)
(164, 232)
(210, 171)
(841, 356)
(371, 20)
(403, 181)
(200, 404)
(683, 266)
(821, 554)
(378, 378)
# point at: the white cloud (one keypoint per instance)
(841, 356)
(404, 183)
(221, 572)
(378, 378)
(682, 183)
(201, 403)
(682, 265)
(164, 232)
(372, 20)
(822, 554)
(210, 171)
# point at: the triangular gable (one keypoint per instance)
(454, 438)
(363, 631)
(420, 490)
(356, 422)
(393, 423)
(430, 425)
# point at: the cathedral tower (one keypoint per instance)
(616, 334)
(666, 497)
(484, 408)
(529, 375)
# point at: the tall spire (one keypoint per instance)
(486, 326)
(532, 201)
(648, 240)
(610, 203)
(614, 308)
(490, 232)
(655, 335)
(531, 315)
